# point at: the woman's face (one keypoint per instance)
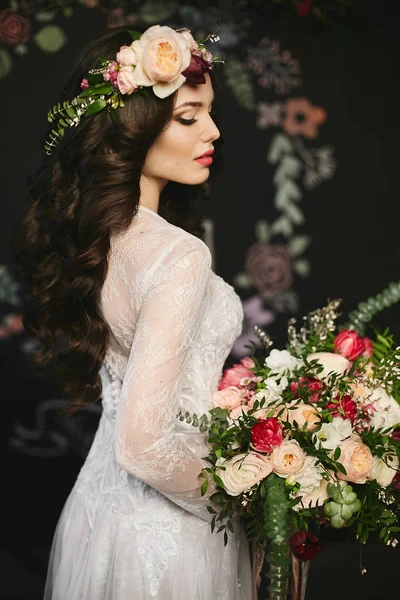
(190, 134)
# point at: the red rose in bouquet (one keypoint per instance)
(345, 408)
(266, 435)
(311, 384)
(349, 344)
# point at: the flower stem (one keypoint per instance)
(278, 555)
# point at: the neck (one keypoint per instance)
(150, 190)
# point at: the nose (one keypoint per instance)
(211, 131)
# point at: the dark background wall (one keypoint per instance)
(306, 209)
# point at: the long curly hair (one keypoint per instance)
(87, 191)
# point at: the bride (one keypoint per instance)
(117, 271)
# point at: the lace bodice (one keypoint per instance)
(173, 323)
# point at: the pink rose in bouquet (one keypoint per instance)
(368, 348)
(229, 398)
(349, 344)
(266, 435)
(356, 458)
(235, 374)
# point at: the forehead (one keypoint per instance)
(202, 92)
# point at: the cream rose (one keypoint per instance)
(162, 56)
(228, 398)
(287, 459)
(383, 473)
(317, 495)
(331, 362)
(356, 458)
(270, 406)
(237, 412)
(302, 414)
(243, 471)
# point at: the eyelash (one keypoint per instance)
(191, 121)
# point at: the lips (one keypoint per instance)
(208, 153)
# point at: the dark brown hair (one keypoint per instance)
(87, 191)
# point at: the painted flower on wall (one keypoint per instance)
(302, 118)
(14, 28)
(269, 268)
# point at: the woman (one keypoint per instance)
(143, 320)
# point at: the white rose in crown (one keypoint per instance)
(317, 495)
(387, 409)
(331, 363)
(243, 471)
(281, 361)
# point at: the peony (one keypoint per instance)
(126, 57)
(304, 414)
(331, 435)
(243, 471)
(310, 384)
(288, 458)
(281, 361)
(387, 409)
(382, 472)
(126, 80)
(345, 408)
(266, 435)
(356, 458)
(228, 398)
(235, 374)
(162, 55)
(349, 344)
(331, 363)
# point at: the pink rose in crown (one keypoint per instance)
(349, 344)
(126, 80)
(235, 374)
(266, 435)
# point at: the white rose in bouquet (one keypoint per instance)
(280, 361)
(382, 472)
(243, 471)
(331, 435)
(387, 409)
(332, 363)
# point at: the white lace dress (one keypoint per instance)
(135, 526)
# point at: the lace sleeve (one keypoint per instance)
(145, 442)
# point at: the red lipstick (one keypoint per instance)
(205, 159)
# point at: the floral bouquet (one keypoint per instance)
(306, 437)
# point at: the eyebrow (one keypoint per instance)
(195, 104)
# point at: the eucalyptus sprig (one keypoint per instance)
(367, 310)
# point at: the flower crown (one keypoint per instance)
(161, 58)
